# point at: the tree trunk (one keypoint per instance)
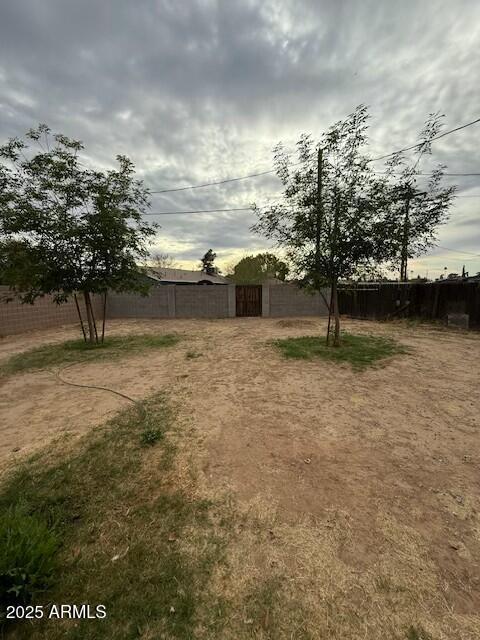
(104, 314)
(336, 335)
(90, 318)
(327, 341)
(336, 313)
(80, 317)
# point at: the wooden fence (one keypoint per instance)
(432, 300)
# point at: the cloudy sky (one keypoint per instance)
(199, 91)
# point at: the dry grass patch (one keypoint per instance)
(293, 324)
(286, 581)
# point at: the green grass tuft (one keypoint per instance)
(28, 548)
(360, 351)
(79, 351)
(418, 633)
(150, 437)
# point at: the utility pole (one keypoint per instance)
(405, 236)
(409, 195)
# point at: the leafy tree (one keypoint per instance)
(330, 221)
(416, 211)
(258, 269)
(65, 228)
(207, 263)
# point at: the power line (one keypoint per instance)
(419, 144)
(209, 184)
(397, 173)
(162, 213)
(470, 253)
(264, 173)
(168, 213)
(453, 174)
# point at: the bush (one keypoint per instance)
(27, 556)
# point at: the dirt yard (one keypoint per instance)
(369, 480)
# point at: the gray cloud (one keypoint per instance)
(202, 90)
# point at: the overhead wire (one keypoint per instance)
(397, 173)
(270, 171)
(419, 144)
(263, 173)
(225, 210)
(210, 184)
(470, 253)
(168, 213)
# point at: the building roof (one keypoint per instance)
(183, 276)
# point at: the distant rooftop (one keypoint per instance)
(183, 276)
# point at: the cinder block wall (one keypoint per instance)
(163, 301)
(16, 317)
(125, 305)
(172, 301)
(201, 301)
(288, 300)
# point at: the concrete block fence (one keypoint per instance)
(289, 300)
(175, 301)
(16, 317)
(163, 301)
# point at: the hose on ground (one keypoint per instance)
(58, 375)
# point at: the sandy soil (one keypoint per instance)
(317, 439)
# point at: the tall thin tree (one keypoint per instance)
(330, 220)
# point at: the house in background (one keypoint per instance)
(166, 275)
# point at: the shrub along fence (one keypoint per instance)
(431, 300)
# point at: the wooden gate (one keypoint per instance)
(248, 300)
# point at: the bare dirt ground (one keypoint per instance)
(367, 483)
